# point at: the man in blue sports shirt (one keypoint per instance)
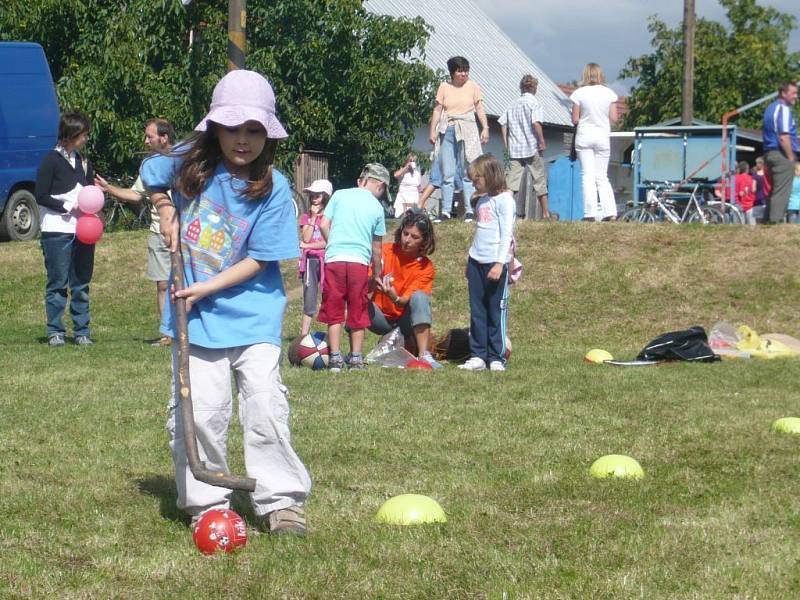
(780, 150)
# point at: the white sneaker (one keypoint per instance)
(473, 364)
(496, 365)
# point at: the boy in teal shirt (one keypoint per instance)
(353, 226)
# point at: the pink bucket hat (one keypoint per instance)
(243, 96)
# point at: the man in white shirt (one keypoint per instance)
(159, 136)
(523, 139)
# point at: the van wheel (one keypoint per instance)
(21, 217)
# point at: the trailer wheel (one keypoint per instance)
(20, 219)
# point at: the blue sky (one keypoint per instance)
(563, 35)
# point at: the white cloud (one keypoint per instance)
(563, 35)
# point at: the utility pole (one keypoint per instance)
(237, 36)
(687, 90)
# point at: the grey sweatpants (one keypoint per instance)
(281, 478)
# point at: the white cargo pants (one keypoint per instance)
(282, 479)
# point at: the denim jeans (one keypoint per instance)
(435, 175)
(453, 163)
(69, 265)
(417, 312)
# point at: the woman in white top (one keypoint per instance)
(410, 179)
(594, 111)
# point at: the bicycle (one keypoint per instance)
(663, 202)
(731, 213)
(124, 216)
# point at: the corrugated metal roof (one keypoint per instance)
(496, 63)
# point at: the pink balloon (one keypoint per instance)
(91, 199)
(89, 229)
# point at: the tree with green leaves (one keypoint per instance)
(734, 64)
(347, 81)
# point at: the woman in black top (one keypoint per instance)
(68, 262)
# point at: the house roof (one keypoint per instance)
(496, 63)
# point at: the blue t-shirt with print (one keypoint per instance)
(218, 229)
(356, 216)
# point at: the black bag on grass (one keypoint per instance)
(687, 344)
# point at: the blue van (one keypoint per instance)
(28, 128)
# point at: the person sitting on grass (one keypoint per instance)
(403, 295)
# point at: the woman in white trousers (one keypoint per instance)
(594, 110)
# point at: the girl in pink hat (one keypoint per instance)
(312, 249)
(232, 218)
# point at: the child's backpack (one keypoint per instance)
(687, 344)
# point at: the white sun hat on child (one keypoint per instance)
(243, 96)
(319, 186)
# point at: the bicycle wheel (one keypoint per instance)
(733, 214)
(111, 215)
(638, 214)
(706, 216)
(144, 215)
(299, 203)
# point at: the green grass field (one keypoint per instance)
(88, 501)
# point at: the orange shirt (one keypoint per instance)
(410, 275)
(458, 100)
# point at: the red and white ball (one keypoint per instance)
(218, 529)
(310, 350)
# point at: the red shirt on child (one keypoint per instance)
(745, 195)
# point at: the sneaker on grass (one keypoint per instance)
(428, 358)
(473, 364)
(335, 363)
(290, 520)
(356, 362)
(496, 365)
(56, 340)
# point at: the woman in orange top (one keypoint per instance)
(403, 295)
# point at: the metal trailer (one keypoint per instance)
(677, 153)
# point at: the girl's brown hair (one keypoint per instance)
(491, 169)
(204, 154)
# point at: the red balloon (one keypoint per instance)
(419, 364)
(219, 530)
(89, 229)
